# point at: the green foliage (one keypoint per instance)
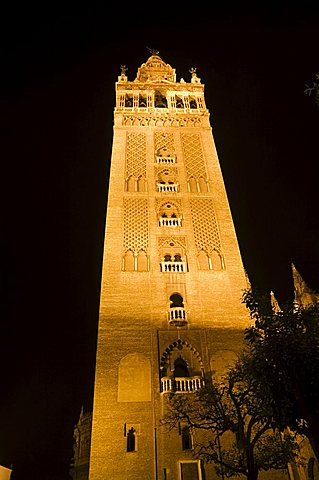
(314, 89)
(283, 363)
(237, 433)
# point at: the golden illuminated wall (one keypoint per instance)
(172, 274)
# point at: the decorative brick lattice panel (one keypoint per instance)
(205, 225)
(193, 155)
(163, 140)
(135, 224)
(164, 241)
(152, 121)
(136, 155)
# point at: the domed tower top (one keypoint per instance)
(155, 70)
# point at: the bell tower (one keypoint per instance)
(170, 310)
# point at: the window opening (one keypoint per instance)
(179, 102)
(160, 100)
(177, 313)
(128, 101)
(176, 300)
(141, 184)
(129, 262)
(180, 368)
(130, 440)
(192, 185)
(142, 101)
(190, 470)
(186, 438)
(192, 103)
(142, 261)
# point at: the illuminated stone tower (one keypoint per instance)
(170, 311)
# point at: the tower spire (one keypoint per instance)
(304, 296)
(299, 284)
(274, 303)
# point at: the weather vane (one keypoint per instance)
(193, 71)
(123, 69)
(153, 52)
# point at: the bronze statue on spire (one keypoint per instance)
(152, 51)
(123, 69)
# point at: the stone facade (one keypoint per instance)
(171, 315)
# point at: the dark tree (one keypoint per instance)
(237, 433)
(283, 363)
(314, 90)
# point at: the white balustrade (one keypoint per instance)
(167, 187)
(166, 160)
(177, 316)
(181, 384)
(177, 312)
(179, 267)
(170, 222)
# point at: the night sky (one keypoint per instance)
(57, 96)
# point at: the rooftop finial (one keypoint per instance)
(152, 51)
(195, 78)
(123, 69)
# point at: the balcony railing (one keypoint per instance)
(165, 159)
(181, 384)
(169, 222)
(167, 187)
(177, 316)
(177, 267)
(151, 108)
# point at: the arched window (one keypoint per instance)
(130, 184)
(216, 261)
(165, 155)
(203, 260)
(180, 368)
(167, 176)
(130, 440)
(141, 184)
(177, 257)
(129, 261)
(167, 258)
(179, 102)
(142, 102)
(202, 185)
(192, 185)
(142, 262)
(128, 101)
(169, 215)
(176, 300)
(192, 103)
(160, 100)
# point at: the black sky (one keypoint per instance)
(57, 95)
